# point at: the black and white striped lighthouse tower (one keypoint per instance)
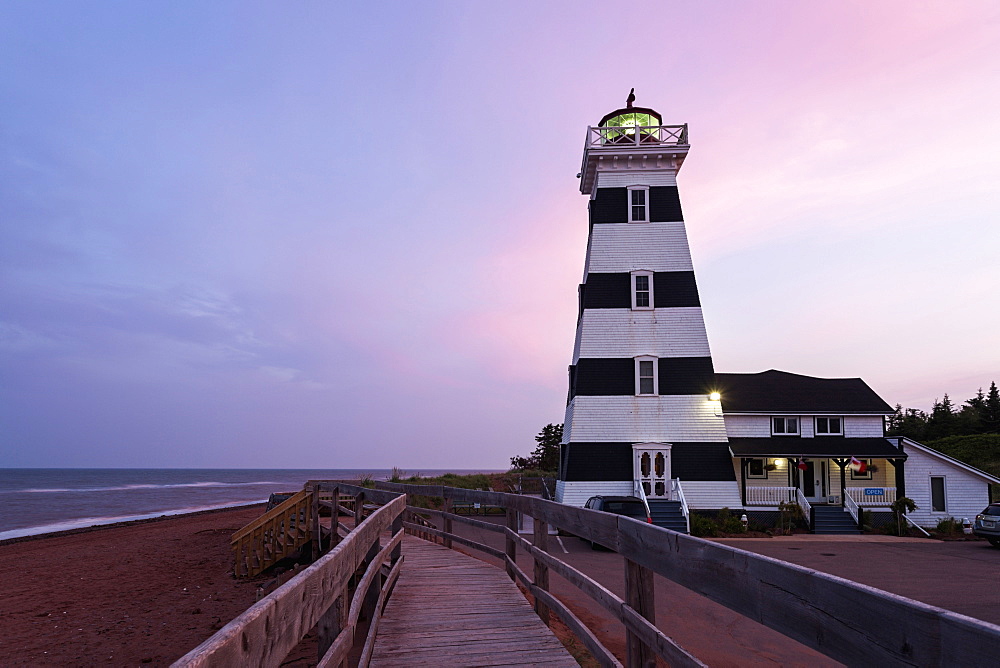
(641, 411)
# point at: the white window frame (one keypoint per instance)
(828, 418)
(944, 492)
(649, 275)
(645, 205)
(656, 376)
(798, 425)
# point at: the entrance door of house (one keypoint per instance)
(652, 468)
(812, 481)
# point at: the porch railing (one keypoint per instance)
(770, 496)
(804, 504)
(677, 494)
(871, 496)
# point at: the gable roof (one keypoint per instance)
(782, 392)
(907, 442)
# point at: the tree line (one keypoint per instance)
(978, 415)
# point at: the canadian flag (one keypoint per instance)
(802, 465)
(857, 465)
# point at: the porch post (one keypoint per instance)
(900, 477)
(842, 463)
(743, 477)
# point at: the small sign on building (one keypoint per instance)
(874, 491)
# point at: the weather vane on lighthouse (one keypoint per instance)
(631, 99)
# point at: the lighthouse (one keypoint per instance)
(643, 414)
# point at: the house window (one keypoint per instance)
(638, 199)
(937, 494)
(646, 381)
(867, 475)
(829, 426)
(785, 426)
(755, 469)
(642, 290)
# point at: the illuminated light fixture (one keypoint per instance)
(715, 396)
(779, 462)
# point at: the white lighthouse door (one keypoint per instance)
(652, 469)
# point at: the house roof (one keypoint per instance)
(906, 442)
(782, 392)
(821, 446)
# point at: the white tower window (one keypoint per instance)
(646, 381)
(638, 198)
(642, 290)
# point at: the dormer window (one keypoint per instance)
(785, 426)
(646, 381)
(829, 426)
(638, 198)
(642, 290)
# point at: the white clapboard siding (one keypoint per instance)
(863, 426)
(622, 332)
(965, 492)
(619, 179)
(748, 426)
(621, 247)
(576, 493)
(656, 419)
(712, 495)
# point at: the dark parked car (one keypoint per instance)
(988, 524)
(629, 506)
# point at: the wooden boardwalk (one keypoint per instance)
(449, 609)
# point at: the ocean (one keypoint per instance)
(34, 501)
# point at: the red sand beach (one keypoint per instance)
(136, 594)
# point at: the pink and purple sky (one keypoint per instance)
(349, 235)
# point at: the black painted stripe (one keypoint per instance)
(686, 375)
(611, 205)
(674, 288)
(614, 290)
(615, 376)
(592, 462)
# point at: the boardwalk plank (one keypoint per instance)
(450, 609)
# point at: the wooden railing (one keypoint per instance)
(852, 623)
(278, 533)
(323, 596)
(770, 496)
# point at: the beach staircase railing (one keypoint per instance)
(279, 533)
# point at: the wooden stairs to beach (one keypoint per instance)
(278, 533)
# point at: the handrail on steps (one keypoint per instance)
(804, 504)
(638, 491)
(675, 487)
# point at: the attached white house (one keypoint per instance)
(646, 413)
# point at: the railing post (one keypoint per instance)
(359, 509)
(397, 526)
(511, 544)
(541, 576)
(371, 596)
(447, 528)
(335, 518)
(639, 597)
(331, 623)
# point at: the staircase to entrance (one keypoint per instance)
(668, 514)
(833, 520)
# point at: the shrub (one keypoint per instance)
(702, 526)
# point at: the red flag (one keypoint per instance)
(802, 465)
(858, 465)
